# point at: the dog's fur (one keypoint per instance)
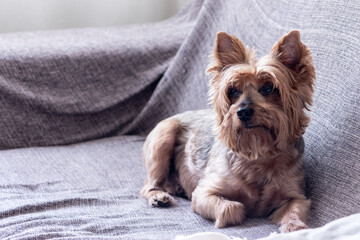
(229, 167)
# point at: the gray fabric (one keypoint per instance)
(63, 87)
(91, 190)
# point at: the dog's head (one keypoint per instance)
(260, 104)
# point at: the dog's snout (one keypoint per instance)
(245, 114)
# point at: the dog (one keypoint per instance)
(243, 157)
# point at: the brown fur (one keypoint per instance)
(232, 168)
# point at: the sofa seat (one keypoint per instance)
(91, 190)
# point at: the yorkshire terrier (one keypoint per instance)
(243, 157)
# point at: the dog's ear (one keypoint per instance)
(295, 57)
(288, 50)
(229, 50)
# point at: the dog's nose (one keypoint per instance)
(245, 114)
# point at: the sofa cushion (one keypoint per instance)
(91, 190)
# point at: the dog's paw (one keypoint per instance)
(161, 199)
(230, 213)
(293, 225)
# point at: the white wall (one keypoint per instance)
(30, 15)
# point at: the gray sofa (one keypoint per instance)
(76, 105)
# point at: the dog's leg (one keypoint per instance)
(211, 205)
(157, 152)
(292, 215)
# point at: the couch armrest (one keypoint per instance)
(61, 87)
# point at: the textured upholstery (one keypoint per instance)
(92, 190)
(72, 86)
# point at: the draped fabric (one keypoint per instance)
(76, 104)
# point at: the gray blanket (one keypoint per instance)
(75, 106)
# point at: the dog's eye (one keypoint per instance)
(266, 89)
(233, 93)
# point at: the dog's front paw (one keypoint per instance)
(230, 213)
(292, 225)
(161, 199)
